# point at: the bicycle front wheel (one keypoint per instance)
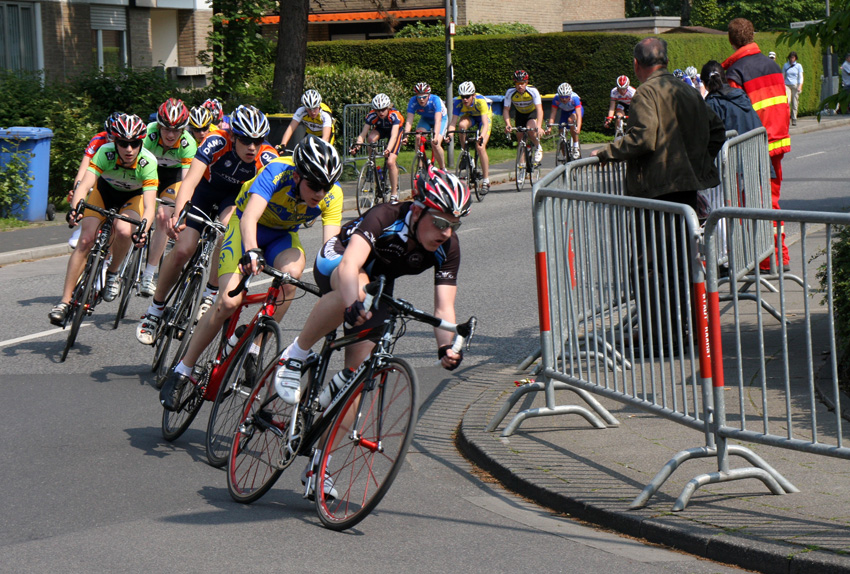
(365, 189)
(178, 327)
(260, 451)
(520, 169)
(415, 168)
(561, 157)
(359, 467)
(128, 279)
(82, 300)
(236, 387)
(189, 403)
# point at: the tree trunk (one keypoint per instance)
(291, 58)
(686, 13)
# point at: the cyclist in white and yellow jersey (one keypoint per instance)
(316, 117)
(528, 108)
(472, 111)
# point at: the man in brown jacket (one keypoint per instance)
(671, 140)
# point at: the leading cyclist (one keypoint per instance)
(472, 110)
(572, 112)
(528, 108)
(433, 118)
(621, 99)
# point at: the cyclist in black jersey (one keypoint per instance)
(391, 240)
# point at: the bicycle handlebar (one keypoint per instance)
(284, 278)
(375, 292)
(82, 206)
(203, 218)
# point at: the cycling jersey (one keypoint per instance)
(384, 125)
(478, 108)
(172, 160)
(95, 143)
(132, 179)
(387, 228)
(314, 126)
(623, 99)
(568, 105)
(285, 210)
(523, 103)
(428, 110)
(695, 83)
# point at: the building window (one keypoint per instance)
(18, 50)
(109, 37)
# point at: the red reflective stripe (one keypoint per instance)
(542, 292)
(702, 339)
(714, 339)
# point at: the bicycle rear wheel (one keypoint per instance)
(362, 469)
(128, 279)
(175, 423)
(258, 453)
(520, 169)
(365, 190)
(236, 387)
(82, 300)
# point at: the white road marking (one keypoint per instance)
(810, 154)
(35, 336)
(541, 519)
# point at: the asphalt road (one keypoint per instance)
(92, 487)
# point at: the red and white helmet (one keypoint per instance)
(214, 106)
(421, 89)
(520, 76)
(623, 82)
(444, 192)
(128, 127)
(173, 114)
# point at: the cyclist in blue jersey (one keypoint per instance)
(572, 111)
(224, 161)
(286, 193)
(433, 118)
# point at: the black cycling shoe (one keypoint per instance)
(169, 394)
(59, 313)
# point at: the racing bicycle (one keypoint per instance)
(372, 186)
(468, 169)
(525, 164)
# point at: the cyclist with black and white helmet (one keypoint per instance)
(433, 118)
(471, 110)
(572, 112)
(270, 208)
(316, 117)
(383, 122)
(174, 148)
(224, 161)
(692, 79)
(621, 99)
(121, 175)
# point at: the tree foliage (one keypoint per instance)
(420, 30)
(765, 16)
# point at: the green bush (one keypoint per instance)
(420, 30)
(73, 126)
(14, 177)
(840, 299)
(133, 91)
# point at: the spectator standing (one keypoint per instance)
(670, 143)
(845, 75)
(747, 68)
(792, 71)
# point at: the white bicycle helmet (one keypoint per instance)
(248, 121)
(565, 90)
(691, 72)
(466, 89)
(381, 102)
(311, 99)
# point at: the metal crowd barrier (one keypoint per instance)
(353, 118)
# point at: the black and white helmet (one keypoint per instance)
(381, 102)
(318, 161)
(466, 89)
(311, 99)
(248, 121)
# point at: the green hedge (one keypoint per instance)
(590, 62)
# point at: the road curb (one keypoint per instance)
(34, 253)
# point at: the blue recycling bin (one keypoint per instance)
(36, 141)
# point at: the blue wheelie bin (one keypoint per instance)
(35, 143)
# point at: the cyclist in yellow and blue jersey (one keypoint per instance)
(286, 193)
(201, 123)
(528, 107)
(471, 109)
(316, 117)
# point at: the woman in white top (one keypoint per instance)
(793, 73)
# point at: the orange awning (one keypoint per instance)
(333, 17)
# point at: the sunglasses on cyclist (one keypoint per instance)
(422, 97)
(469, 97)
(199, 130)
(442, 224)
(316, 187)
(132, 144)
(250, 141)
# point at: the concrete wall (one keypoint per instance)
(67, 39)
(164, 37)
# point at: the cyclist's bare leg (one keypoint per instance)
(173, 263)
(532, 133)
(290, 261)
(225, 216)
(391, 166)
(210, 324)
(122, 239)
(160, 238)
(462, 126)
(437, 150)
(77, 261)
(482, 155)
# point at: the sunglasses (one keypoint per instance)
(467, 97)
(443, 224)
(199, 130)
(422, 97)
(132, 144)
(250, 141)
(318, 188)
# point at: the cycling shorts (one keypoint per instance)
(168, 191)
(211, 203)
(385, 135)
(273, 242)
(521, 120)
(328, 259)
(107, 197)
(566, 117)
(623, 107)
(428, 124)
(168, 176)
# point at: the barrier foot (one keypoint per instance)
(728, 476)
(545, 412)
(759, 462)
(659, 479)
(764, 304)
(528, 361)
(511, 401)
(591, 401)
